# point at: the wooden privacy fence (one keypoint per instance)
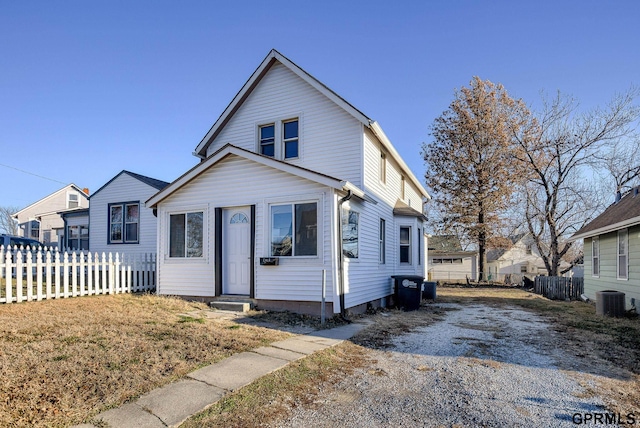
(47, 273)
(559, 288)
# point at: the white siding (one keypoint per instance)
(124, 188)
(236, 181)
(330, 139)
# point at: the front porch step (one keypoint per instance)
(231, 306)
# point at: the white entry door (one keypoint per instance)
(236, 253)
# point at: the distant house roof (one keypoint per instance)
(275, 56)
(495, 253)
(444, 243)
(68, 186)
(621, 214)
(156, 184)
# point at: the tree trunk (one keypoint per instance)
(482, 241)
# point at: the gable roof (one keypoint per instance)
(494, 254)
(621, 214)
(229, 150)
(51, 195)
(266, 64)
(156, 184)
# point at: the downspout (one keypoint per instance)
(341, 256)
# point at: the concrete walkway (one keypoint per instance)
(174, 403)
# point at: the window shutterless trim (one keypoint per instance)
(595, 258)
(622, 235)
(123, 240)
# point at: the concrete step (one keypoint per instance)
(231, 306)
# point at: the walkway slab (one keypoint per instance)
(129, 416)
(301, 346)
(283, 354)
(176, 402)
(238, 370)
(343, 332)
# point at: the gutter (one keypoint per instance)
(341, 255)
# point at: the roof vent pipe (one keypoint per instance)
(636, 191)
(618, 196)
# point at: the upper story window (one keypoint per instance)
(124, 223)
(595, 256)
(267, 140)
(290, 139)
(402, 188)
(72, 200)
(382, 242)
(280, 139)
(623, 252)
(383, 167)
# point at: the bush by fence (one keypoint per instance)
(47, 273)
(559, 288)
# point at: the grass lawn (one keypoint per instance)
(63, 361)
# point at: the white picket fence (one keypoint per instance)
(48, 273)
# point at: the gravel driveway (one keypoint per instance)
(481, 366)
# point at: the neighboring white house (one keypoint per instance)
(448, 262)
(293, 181)
(612, 249)
(118, 220)
(520, 256)
(43, 221)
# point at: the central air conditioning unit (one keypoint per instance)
(610, 303)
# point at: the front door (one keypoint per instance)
(236, 254)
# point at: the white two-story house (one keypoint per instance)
(294, 184)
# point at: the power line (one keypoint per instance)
(31, 173)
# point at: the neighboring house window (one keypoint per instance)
(267, 140)
(405, 244)
(294, 229)
(72, 200)
(436, 261)
(528, 249)
(623, 253)
(124, 223)
(523, 269)
(185, 234)
(350, 220)
(382, 242)
(34, 229)
(383, 167)
(78, 237)
(595, 256)
(290, 139)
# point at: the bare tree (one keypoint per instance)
(560, 146)
(470, 164)
(7, 224)
(622, 163)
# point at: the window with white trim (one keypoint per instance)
(73, 200)
(623, 254)
(419, 246)
(280, 139)
(383, 167)
(405, 244)
(382, 256)
(124, 223)
(185, 234)
(294, 229)
(350, 233)
(595, 256)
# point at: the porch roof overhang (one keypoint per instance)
(231, 150)
(404, 210)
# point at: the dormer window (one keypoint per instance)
(72, 200)
(280, 140)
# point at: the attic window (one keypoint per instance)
(267, 140)
(72, 200)
(290, 139)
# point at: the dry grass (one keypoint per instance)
(601, 345)
(63, 361)
(274, 396)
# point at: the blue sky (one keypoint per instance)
(89, 88)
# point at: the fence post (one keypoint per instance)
(9, 278)
(116, 273)
(81, 273)
(19, 265)
(47, 271)
(74, 277)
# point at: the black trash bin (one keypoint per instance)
(429, 290)
(408, 291)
